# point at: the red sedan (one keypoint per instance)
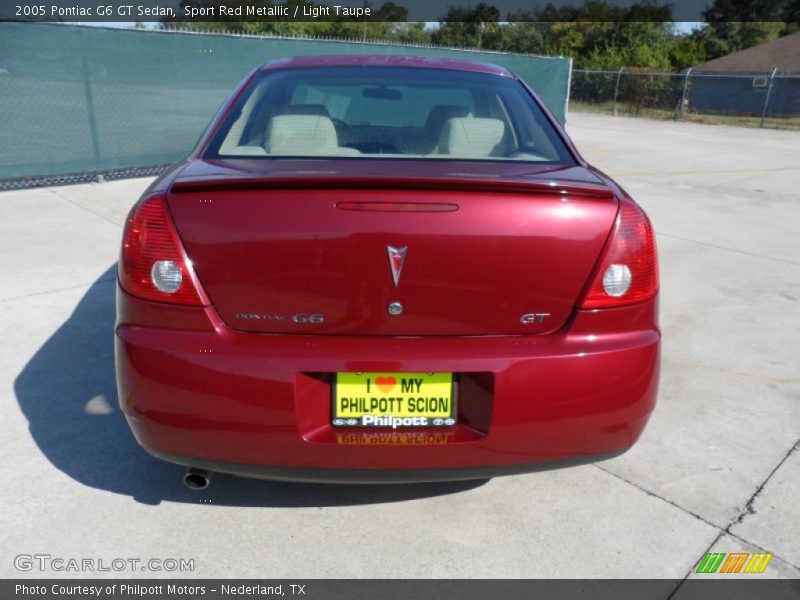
(385, 269)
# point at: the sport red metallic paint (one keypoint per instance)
(256, 270)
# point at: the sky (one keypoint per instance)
(688, 26)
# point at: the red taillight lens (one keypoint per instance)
(628, 272)
(153, 264)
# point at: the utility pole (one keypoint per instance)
(766, 100)
(616, 89)
(682, 111)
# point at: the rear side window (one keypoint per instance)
(379, 112)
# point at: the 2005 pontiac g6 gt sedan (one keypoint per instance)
(385, 269)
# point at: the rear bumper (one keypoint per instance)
(378, 476)
(199, 394)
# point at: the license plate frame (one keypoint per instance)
(398, 414)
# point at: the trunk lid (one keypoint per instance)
(278, 253)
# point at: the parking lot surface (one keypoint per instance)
(718, 468)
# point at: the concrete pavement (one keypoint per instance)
(716, 470)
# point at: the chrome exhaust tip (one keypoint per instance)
(196, 479)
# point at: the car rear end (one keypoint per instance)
(448, 296)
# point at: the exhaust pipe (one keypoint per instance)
(196, 479)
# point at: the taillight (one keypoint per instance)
(628, 272)
(153, 264)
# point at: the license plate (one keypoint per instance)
(394, 400)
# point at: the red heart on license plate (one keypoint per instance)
(385, 384)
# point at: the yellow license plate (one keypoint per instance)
(394, 400)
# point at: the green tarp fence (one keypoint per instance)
(85, 99)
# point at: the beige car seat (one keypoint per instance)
(300, 134)
(304, 135)
(472, 138)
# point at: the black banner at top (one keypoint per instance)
(473, 11)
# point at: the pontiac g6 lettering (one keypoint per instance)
(385, 269)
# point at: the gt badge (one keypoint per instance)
(531, 318)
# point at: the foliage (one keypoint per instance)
(597, 34)
(723, 38)
(734, 25)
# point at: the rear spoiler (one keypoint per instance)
(467, 184)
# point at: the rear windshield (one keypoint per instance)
(380, 112)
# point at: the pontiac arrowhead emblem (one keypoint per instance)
(397, 256)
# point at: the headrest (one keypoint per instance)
(470, 137)
(300, 134)
(440, 114)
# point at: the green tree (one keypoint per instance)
(685, 52)
(598, 35)
(721, 38)
(410, 33)
(469, 27)
(733, 25)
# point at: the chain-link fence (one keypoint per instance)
(756, 99)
